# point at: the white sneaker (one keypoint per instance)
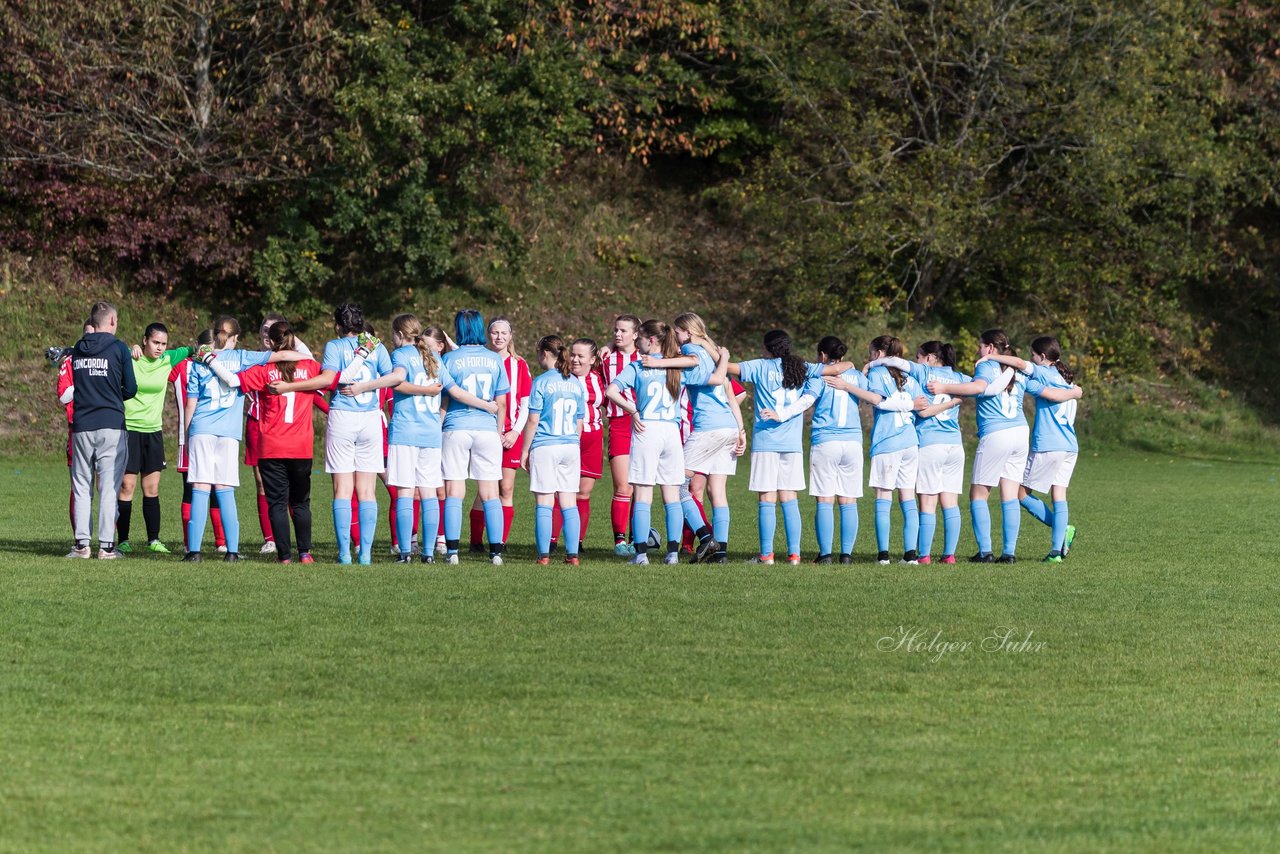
(441, 548)
(639, 560)
(221, 550)
(496, 560)
(80, 552)
(110, 554)
(268, 548)
(452, 559)
(672, 558)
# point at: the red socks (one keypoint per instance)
(264, 518)
(584, 514)
(557, 522)
(477, 525)
(620, 513)
(508, 514)
(219, 534)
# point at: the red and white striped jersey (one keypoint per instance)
(686, 414)
(518, 377)
(594, 384)
(612, 364)
(178, 379)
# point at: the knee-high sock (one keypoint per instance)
(620, 514)
(584, 518)
(720, 524)
(264, 518)
(477, 525)
(508, 516)
(910, 524)
(928, 525)
(950, 530)
(368, 526)
(542, 516)
(199, 513)
(572, 530)
(494, 523)
(124, 515)
(429, 513)
(452, 522)
(404, 523)
(692, 513)
(675, 523)
(824, 525)
(640, 522)
(557, 522)
(1060, 516)
(342, 526)
(1011, 520)
(980, 516)
(883, 506)
(767, 524)
(792, 525)
(393, 522)
(215, 518)
(151, 516)
(355, 518)
(230, 518)
(848, 528)
(186, 516)
(1037, 508)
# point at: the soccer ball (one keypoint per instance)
(654, 540)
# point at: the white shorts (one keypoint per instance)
(214, 460)
(353, 442)
(711, 451)
(657, 457)
(1001, 454)
(895, 470)
(474, 454)
(835, 468)
(1048, 468)
(941, 470)
(555, 468)
(414, 468)
(774, 470)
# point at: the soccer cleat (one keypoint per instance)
(1071, 538)
(822, 559)
(983, 557)
(431, 559)
(1006, 559)
(639, 559)
(764, 560)
(284, 560)
(910, 557)
(495, 559)
(882, 558)
(672, 558)
(623, 549)
(846, 559)
(925, 561)
(221, 550)
(794, 560)
(192, 557)
(268, 548)
(572, 560)
(543, 560)
(395, 550)
(232, 557)
(451, 559)
(706, 548)
(947, 559)
(1052, 557)
(110, 554)
(125, 548)
(477, 549)
(157, 547)
(718, 558)
(305, 557)
(404, 557)
(80, 552)
(442, 547)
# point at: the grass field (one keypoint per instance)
(152, 705)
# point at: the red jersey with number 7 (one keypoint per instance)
(285, 419)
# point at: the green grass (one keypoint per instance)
(148, 704)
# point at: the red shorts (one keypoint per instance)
(511, 456)
(593, 454)
(252, 441)
(619, 437)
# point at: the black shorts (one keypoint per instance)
(146, 453)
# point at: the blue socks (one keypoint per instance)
(1011, 520)
(493, 522)
(928, 525)
(910, 525)
(791, 525)
(342, 527)
(230, 518)
(452, 522)
(720, 524)
(824, 522)
(767, 522)
(199, 515)
(542, 516)
(404, 524)
(572, 530)
(641, 522)
(950, 529)
(692, 516)
(848, 527)
(980, 516)
(1037, 508)
(369, 524)
(883, 506)
(1059, 525)
(429, 524)
(675, 520)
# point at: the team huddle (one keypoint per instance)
(431, 412)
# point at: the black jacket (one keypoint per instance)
(103, 372)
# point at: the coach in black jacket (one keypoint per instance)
(103, 372)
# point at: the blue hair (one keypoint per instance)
(469, 327)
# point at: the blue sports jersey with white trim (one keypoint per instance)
(1004, 410)
(710, 402)
(479, 371)
(653, 399)
(835, 415)
(219, 410)
(560, 403)
(943, 428)
(1055, 428)
(339, 353)
(892, 431)
(778, 436)
(415, 418)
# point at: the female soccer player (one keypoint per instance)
(894, 450)
(615, 360)
(783, 390)
(656, 455)
(286, 439)
(472, 442)
(214, 425)
(1053, 440)
(440, 343)
(583, 366)
(502, 342)
(178, 379)
(551, 451)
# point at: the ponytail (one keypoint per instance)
(670, 349)
(224, 328)
(998, 339)
(891, 346)
(409, 328)
(1048, 348)
(944, 352)
(833, 348)
(794, 371)
(280, 334)
(555, 345)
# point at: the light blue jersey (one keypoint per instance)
(710, 402)
(560, 403)
(1003, 410)
(1055, 428)
(892, 431)
(778, 436)
(219, 410)
(835, 415)
(415, 418)
(653, 399)
(479, 371)
(943, 428)
(339, 353)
